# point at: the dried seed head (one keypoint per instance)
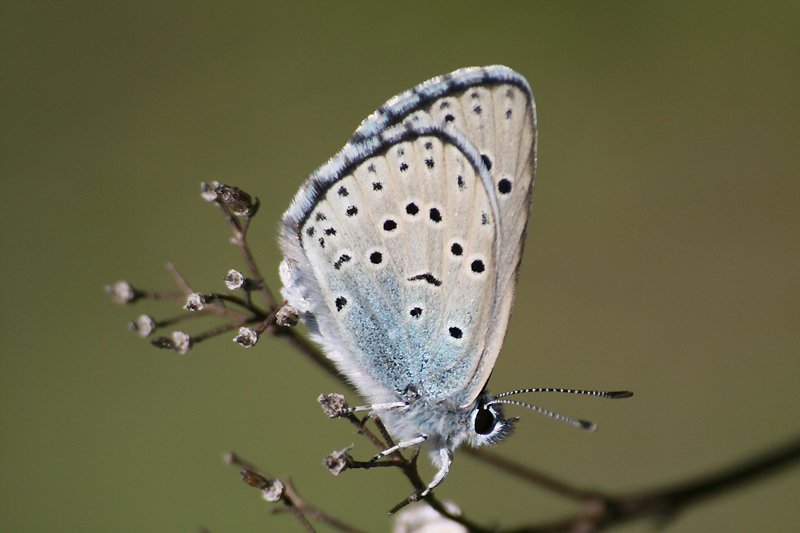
(287, 316)
(273, 491)
(338, 462)
(121, 292)
(181, 341)
(333, 404)
(144, 325)
(195, 302)
(236, 199)
(234, 279)
(209, 190)
(247, 337)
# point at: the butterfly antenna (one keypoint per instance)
(613, 395)
(582, 424)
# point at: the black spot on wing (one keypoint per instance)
(428, 277)
(344, 258)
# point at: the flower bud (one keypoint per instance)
(121, 292)
(247, 337)
(287, 316)
(181, 341)
(333, 404)
(195, 302)
(209, 191)
(338, 462)
(144, 325)
(234, 279)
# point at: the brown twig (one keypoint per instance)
(531, 476)
(602, 512)
(239, 233)
(291, 498)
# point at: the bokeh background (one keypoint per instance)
(662, 257)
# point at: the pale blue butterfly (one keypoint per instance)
(402, 254)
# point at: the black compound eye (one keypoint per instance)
(485, 421)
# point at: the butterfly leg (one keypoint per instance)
(399, 446)
(373, 407)
(445, 458)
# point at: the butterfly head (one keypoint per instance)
(487, 422)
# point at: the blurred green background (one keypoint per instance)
(662, 257)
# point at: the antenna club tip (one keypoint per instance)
(616, 395)
(588, 426)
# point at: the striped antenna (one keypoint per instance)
(582, 424)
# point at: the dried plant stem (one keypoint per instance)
(293, 501)
(531, 476)
(239, 234)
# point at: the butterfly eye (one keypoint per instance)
(485, 421)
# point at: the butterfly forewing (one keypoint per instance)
(402, 248)
(499, 120)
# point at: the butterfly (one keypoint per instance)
(401, 254)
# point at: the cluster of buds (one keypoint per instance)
(233, 201)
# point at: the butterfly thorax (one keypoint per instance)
(445, 423)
